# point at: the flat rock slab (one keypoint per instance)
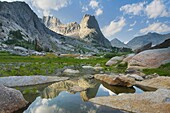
(148, 102)
(159, 82)
(13, 81)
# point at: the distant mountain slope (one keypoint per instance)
(117, 43)
(155, 38)
(20, 26)
(88, 30)
(165, 44)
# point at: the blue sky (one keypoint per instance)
(122, 19)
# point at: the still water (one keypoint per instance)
(57, 98)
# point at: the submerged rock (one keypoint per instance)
(11, 100)
(115, 80)
(13, 81)
(147, 102)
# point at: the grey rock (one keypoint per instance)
(13, 81)
(155, 83)
(11, 100)
(135, 76)
(114, 60)
(147, 102)
(150, 59)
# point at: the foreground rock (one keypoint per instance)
(150, 59)
(128, 57)
(115, 80)
(148, 102)
(11, 100)
(159, 82)
(114, 60)
(13, 81)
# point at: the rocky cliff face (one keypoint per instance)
(17, 16)
(117, 43)
(20, 26)
(154, 38)
(88, 30)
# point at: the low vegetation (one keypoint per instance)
(13, 65)
(163, 70)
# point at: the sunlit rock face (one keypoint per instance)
(88, 30)
(57, 26)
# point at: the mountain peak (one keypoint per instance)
(117, 43)
(89, 21)
(51, 21)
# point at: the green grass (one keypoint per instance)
(163, 70)
(13, 65)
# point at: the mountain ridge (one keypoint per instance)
(154, 38)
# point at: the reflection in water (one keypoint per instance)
(67, 103)
(72, 96)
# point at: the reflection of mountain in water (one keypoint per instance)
(72, 96)
(88, 89)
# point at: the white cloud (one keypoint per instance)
(85, 8)
(98, 12)
(156, 27)
(47, 5)
(131, 25)
(114, 27)
(131, 29)
(156, 9)
(134, 9)
(94, 4)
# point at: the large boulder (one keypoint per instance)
(150, 59)
(147, 102)
(114, 60)
(128, 57)
(11, 100)
(155, 83)
(115, 80)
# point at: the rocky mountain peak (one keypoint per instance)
(89, 21)
(51, 21)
